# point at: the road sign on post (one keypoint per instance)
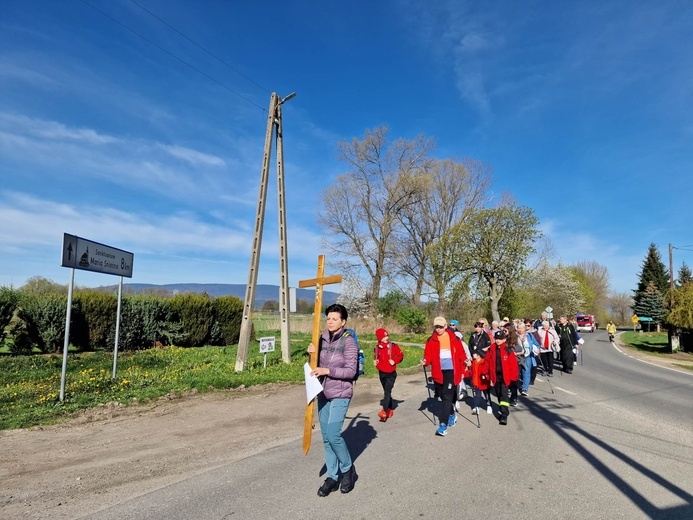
(80, 253)
(266, 345)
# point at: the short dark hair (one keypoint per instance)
(338, 307)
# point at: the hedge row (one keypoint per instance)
(29, 321)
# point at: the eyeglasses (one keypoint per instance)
(438, 327)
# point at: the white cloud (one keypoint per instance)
(67, 154)
(170, 248)
(193, 156)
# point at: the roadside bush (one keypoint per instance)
(99, 313)
(195, 313)
(390, 304)
(21, 333)
(412, 318)
(228, 313)
(8, 303)
(144, 320)
(47, 313)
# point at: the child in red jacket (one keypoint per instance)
(503, 370)
(387, 356)
(480, 382)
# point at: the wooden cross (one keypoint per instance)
(317, 283)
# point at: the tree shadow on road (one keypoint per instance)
(548, 410)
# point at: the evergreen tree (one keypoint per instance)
(685, 275)
(651, 304)
(653, 271)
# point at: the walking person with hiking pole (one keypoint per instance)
(548, 342)
(445, 354)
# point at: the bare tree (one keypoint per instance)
(360, 209)
(620, 306)
(594, 282)
(449, 189)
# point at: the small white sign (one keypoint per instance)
(549, 309)
(267, 345)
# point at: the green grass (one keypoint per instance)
(647, 341)
(30, 385)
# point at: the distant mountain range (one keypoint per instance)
(263, 293)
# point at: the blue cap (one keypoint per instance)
(454, 322)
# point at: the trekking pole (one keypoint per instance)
(546, 373)
(475, 394)
(429, 391)
(426, 379)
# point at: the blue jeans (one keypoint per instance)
(526, 373)
(331, 414)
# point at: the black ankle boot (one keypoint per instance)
(328, 487)
(349, 479)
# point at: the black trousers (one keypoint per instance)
(446, 391)
(547, 361)
(387, 379)
(503, 395)
(567, 357)
(513, 390)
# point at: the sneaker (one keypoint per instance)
(513, 402)
(550, 374)
(457, 407)
(489, 409)
(452, 420)
(442, 430)
(475, 411)
(328, 487)
(383, 415)
(524, 393)
(349, 479)
(503, 420)
(390, 413)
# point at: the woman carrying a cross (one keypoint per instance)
(337, 366)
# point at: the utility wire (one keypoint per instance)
(199, 46)
(176, 57)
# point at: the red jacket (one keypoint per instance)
(432, 357)
(386, 352)
(480, 374)
(508, 363)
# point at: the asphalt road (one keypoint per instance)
(614, 440)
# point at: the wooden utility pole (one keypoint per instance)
(671, 270)
(274, 122)
(316, 282)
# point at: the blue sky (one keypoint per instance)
(584, 111)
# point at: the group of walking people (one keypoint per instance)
(501, 358)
